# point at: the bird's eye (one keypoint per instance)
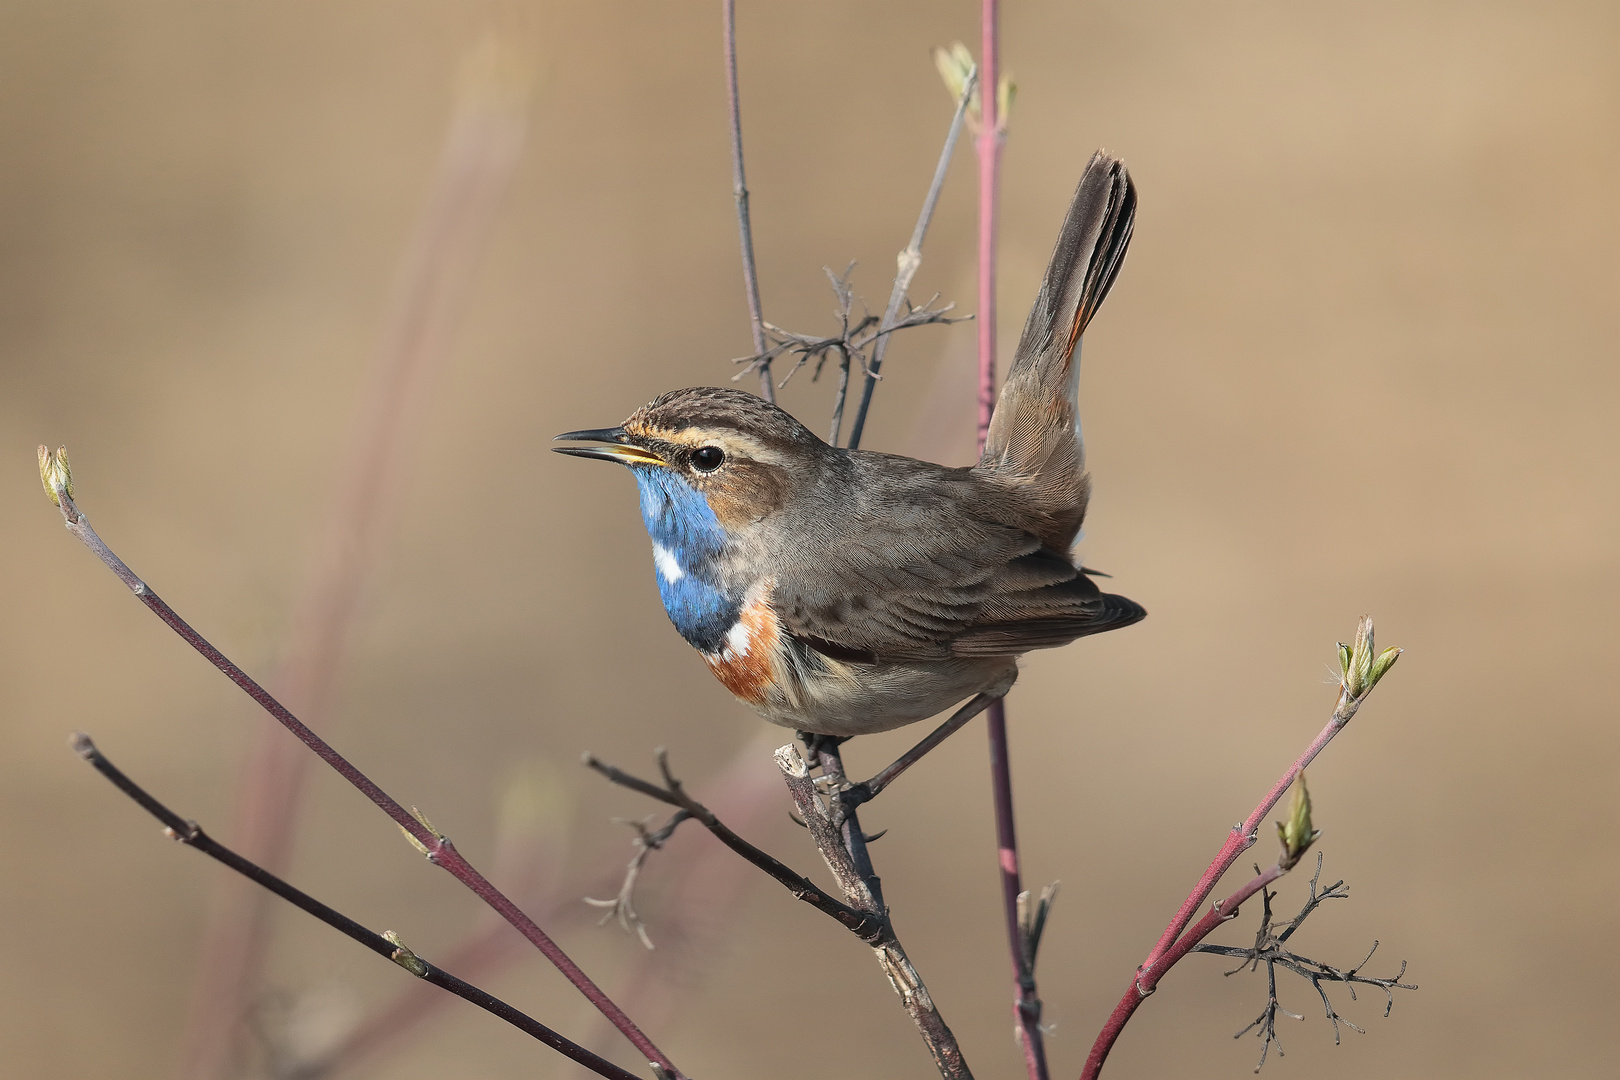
(708, 458)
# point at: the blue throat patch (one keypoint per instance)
(687, 544)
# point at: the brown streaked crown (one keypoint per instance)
(715, 408)
(764, 447)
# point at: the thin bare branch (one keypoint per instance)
(481, 148)
(739, 192)
(1362, 667)
(709, 880)
(1270, 949)
(437, 847)
(387, 945)
(854, 338)
(911, 258)
(836, 830)
(863, 924)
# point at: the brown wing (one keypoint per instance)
(924, 569)
(1048, 618)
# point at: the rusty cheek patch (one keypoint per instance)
(744, 492)
(743, 664)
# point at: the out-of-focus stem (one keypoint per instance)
(481, 149)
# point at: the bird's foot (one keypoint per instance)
(822, 753)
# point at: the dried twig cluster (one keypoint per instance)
(1271, 949)
(850, 344)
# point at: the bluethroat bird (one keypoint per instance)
(841, 592)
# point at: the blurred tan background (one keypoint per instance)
(1362, 358)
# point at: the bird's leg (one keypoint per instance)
(824, 752)
(869, 790)
(821, 751)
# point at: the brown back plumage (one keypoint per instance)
(1034, 440)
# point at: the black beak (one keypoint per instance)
(622, 451)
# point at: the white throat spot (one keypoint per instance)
(738, 639)
(668, 568)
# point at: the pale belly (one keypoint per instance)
(792, 685)
(806, 691)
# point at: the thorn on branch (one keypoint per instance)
(1270, 948)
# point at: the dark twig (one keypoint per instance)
(739, 192)
(863, 924)
(1269, 948)
(910, 259)
(388, 945)
(709, 880)
(437, 847)
(836, 830)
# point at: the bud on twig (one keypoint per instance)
(956, 68)
(55, 474)
(1032, 922)
(1296, 833)
(426, 824)
(1359, 667)
(1005, 93)
(404, 957)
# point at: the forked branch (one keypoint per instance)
(622, 906)
(856, 336)
(1271, 949)
(863, 924)
(1361, 667)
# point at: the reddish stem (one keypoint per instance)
(1026, 1003)
(480, 151)
(1173, 944)
(439, 849)
(1147, 982)
(988, 145)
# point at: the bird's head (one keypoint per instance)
(723, 450)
